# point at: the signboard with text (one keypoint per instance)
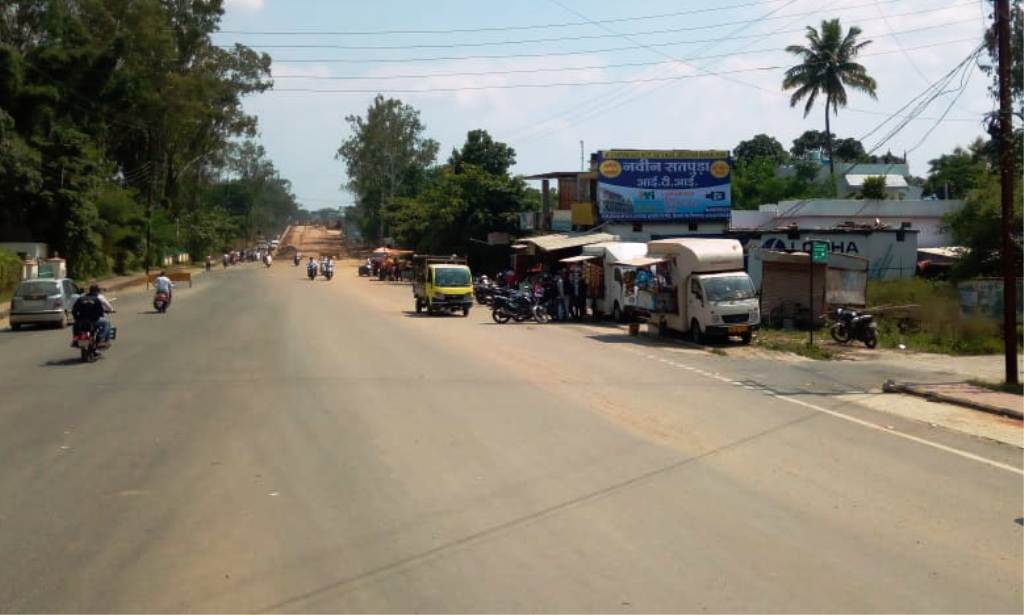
(664, 185)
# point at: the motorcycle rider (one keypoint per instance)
(92, 309)
(163, 284)
(311, 267)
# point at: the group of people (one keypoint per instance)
(391, 269)
(565, 294)
(325, 265)
(91, 311)
(236, 257)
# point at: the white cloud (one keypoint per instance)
(246, 5)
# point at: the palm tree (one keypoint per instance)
(827, 68)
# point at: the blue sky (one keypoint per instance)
(663, 50)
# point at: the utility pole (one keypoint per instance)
(1006, 155)
(582, 168)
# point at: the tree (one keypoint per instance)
(482, 151)
(761, 146)
(955, 175)
(828, 68)
(809, 141)
(114, 117)
(757, 182)
(850, 150)
(873, 188)
(386, 156)
(973, 227)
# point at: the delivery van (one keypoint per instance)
(701, 289)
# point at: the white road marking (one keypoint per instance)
(888, 429)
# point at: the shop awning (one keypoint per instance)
(577, 259)
(643, 261)
(564, 241)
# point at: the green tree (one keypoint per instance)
(974, 226)
(850, 150)
(828, 68)
(761, 146)
(386, 156)
(482, 151)
(873, 188)
(957, 174)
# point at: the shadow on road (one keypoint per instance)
(65, 362)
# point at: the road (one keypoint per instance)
(274, 444)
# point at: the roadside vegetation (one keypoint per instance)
(934, 325)
(796, 342)
(123, 136)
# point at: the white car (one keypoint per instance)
(44, 301)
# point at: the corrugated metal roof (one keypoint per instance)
(562, 241)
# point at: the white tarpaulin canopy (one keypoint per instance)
(643, 261)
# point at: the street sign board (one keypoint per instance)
(819, 252)
(664, 185)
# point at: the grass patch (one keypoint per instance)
(935, 325)
(796, 342)
(1002, 387)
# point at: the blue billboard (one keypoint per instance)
(664, 185)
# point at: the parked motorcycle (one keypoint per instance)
(517, 305)
(853, 325)
(484, 291)
(161, 301)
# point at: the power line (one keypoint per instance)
(604, 104)
(494, 28)
(573, 83)
(552, 54)
(580, 37)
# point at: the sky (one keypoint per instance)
(651, 74)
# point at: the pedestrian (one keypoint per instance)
(578, 291)
(563, 296)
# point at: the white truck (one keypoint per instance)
(700, 288)
(614, 300)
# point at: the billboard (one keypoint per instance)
(664, 185)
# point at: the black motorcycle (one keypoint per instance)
(518, 306)
(311, 271)
(853, 325)
(484, 292)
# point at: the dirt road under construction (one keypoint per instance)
(313, 241)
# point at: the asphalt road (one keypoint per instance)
(273, 444)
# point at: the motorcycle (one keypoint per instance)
(296, 259)
(328, 273)
(311, 271)
(161, 301)
(518, 306)
(853, 325)
(85, 337)
(484, 292)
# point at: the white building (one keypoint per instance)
(925, 217)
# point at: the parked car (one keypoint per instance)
(43, 302)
